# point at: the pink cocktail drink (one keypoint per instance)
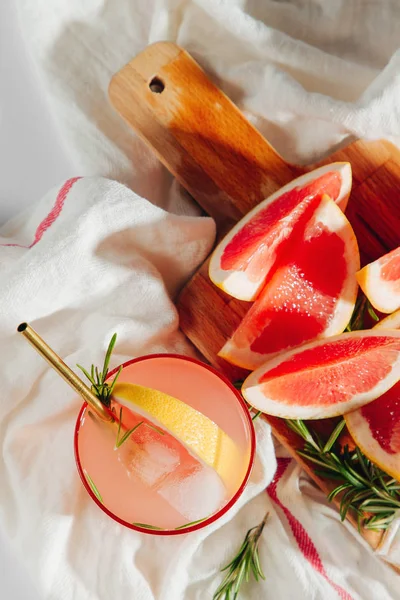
(155, 482)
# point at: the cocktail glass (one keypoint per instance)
(153, 484)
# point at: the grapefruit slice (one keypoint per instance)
(375, 428)
(380, 282)
(328, 377)
(199, 434)
(390, 322)
(242, 261)
(311, 293)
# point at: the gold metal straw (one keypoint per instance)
(62, 369)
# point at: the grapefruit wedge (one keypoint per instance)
(380, 282)
(390, 322)
(375, 428)
(328, 377)
(242, 261)
(310, 294)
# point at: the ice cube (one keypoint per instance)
(150, 462)
(164, 465)
(196, 493)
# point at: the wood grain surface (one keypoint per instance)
(228, 168)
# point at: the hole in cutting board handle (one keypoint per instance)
(156, 85)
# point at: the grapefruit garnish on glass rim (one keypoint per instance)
(326, 378)
(213, 447)
(243, 260)
(380, 281)
(309, 295)
(375, 428)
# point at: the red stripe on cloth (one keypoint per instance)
(301, 536)
(53, 214)
(55, 211)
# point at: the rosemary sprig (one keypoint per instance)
(245, 562)
(365, 488)
(104, 390)
(99, 385)
(361, 308)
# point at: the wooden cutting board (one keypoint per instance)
(228, 167)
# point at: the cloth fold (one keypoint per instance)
(94, 257)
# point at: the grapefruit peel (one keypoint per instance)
(380, 282)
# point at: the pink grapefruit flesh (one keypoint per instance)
(310, 294)
(380, 282)
(375, 429)
(243, 260)
(327, 378)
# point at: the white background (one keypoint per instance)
(31, 156)
(31, 161)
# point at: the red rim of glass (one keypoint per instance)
(227, 506)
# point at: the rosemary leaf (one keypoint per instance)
(371, 508)
(147, 526)
(93, 487)
(334, 436)
(362, 462)
(85, 373)
(316, 461)
(393, 487)
(257, 414)
(361, 308)
(345, 503)
(366, 505)
(160, 431)
(359, 496)
(372, 313)
(329, 474)
(338, 490)
(119, 423)
(114, 381)
(190, 524)
(383, 484)
(355, 478)
(300, 428)
(127, 434)
(376, 523)
(108, 356)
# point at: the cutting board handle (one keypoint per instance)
(197, 132)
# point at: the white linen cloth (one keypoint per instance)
(100, 258)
